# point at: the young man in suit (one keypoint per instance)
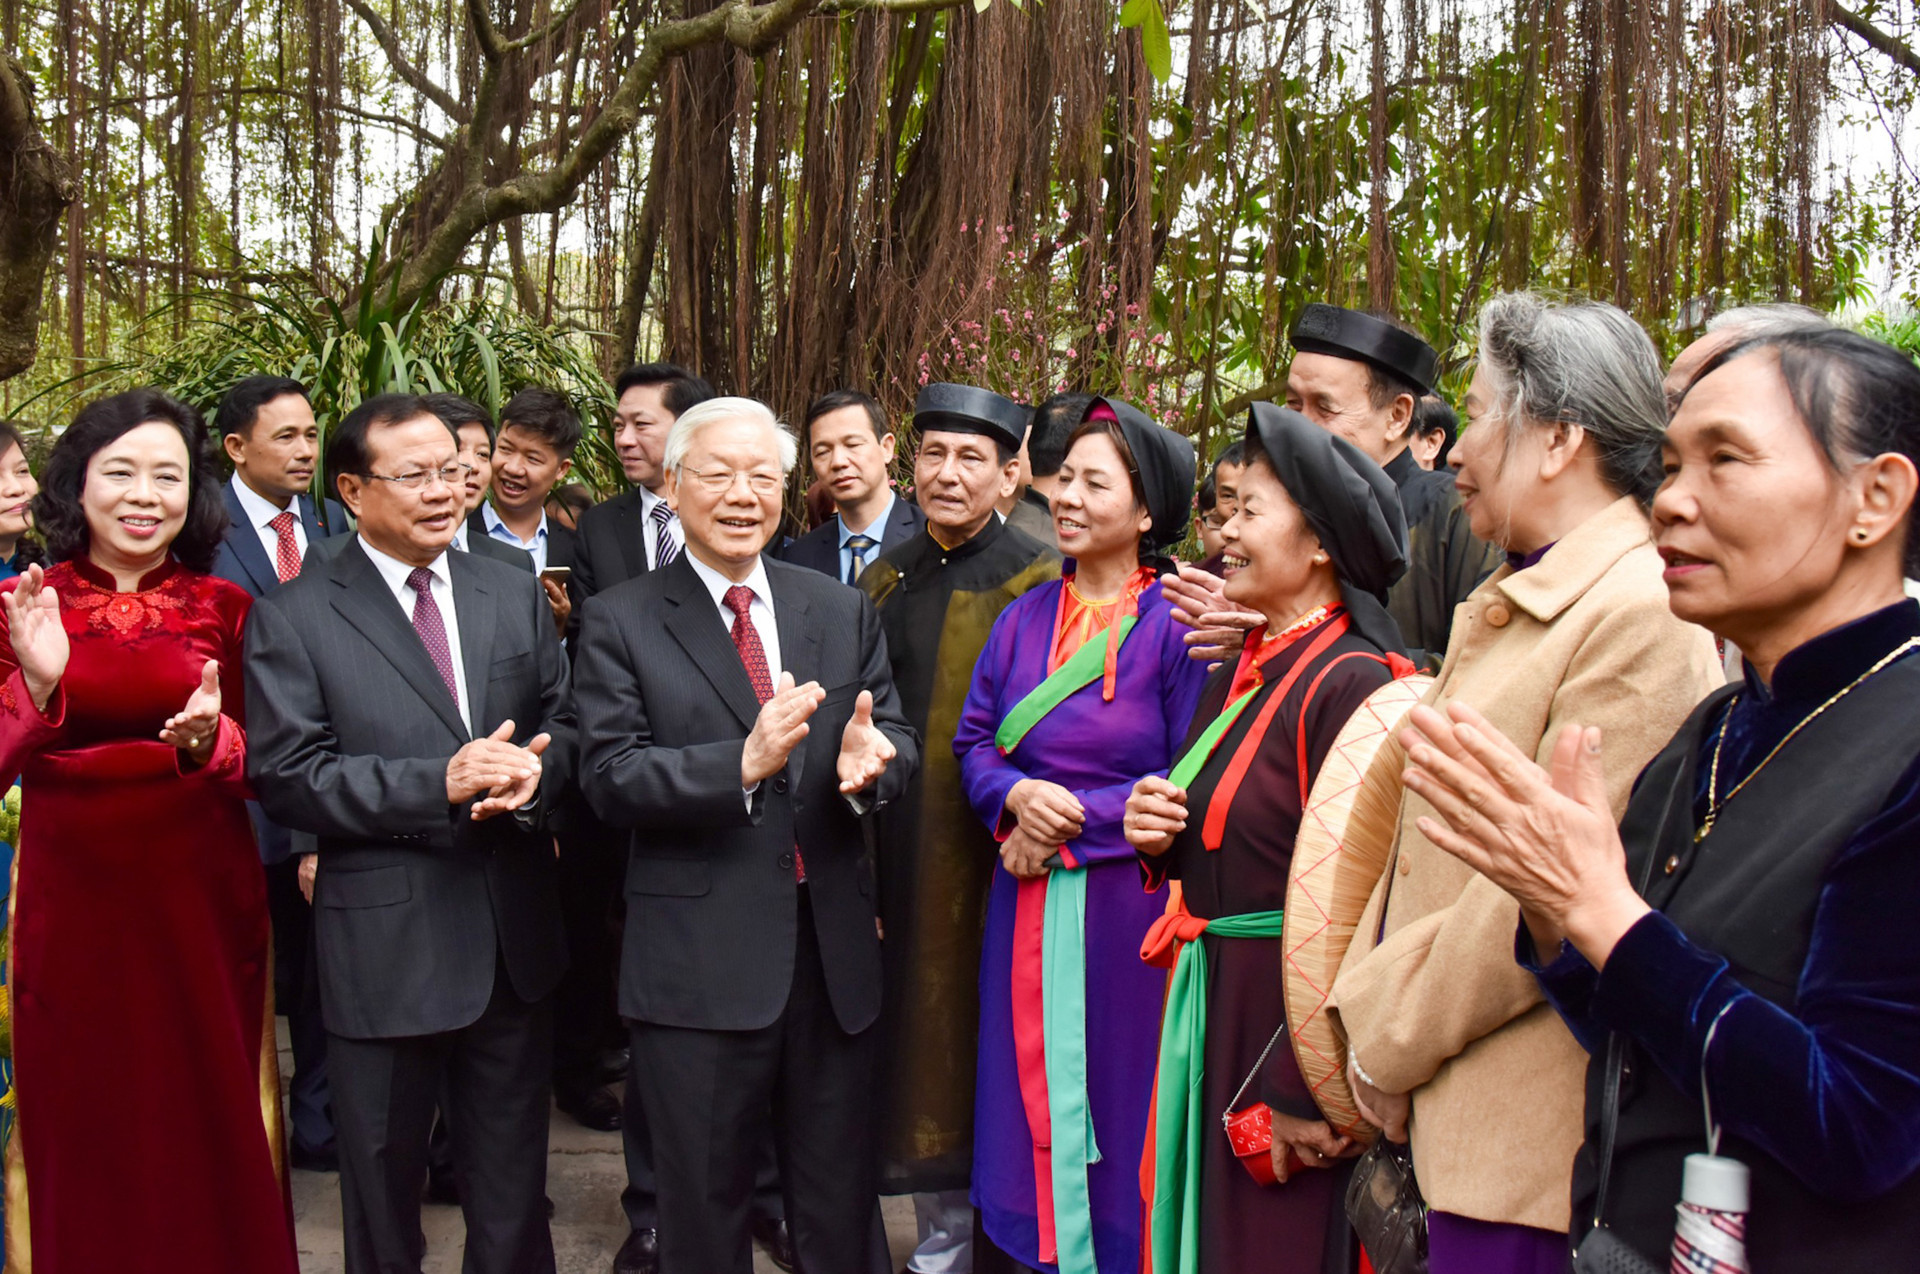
(409, 707)
(741, 719)
(532, 454)
(851, 449)
(268, 431)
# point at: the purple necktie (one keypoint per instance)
(432, 628)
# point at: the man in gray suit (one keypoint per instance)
(410, 708)
(740, 718)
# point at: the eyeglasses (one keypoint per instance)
(419, 478)
(720, 481)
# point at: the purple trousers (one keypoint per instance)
(1462, 1245)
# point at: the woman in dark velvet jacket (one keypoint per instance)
(1752, 919)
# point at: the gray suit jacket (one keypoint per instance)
(349, 731)
(666, 708)
(482, 545)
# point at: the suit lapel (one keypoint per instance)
(477, 615)
(799, 644)
(363, 598)
(695, 623)
(311, 520)
(900, 524)
(247, 550)
(632, 534)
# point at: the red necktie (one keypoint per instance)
(287, 552)
(753, 657)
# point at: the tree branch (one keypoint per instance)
(1901, 53)
(834, 8)
(390, 44)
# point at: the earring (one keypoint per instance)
(1860, 534)
(1319, 559)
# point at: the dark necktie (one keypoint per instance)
(427, 621)
(858, 546)
(286, 553)
(753, 657)
(664, 549)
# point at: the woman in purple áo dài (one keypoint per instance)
(1084, 686)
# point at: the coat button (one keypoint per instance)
(1498, 615)
(786, 862)
(1406, 867)
(780, 784)
(1673, 864)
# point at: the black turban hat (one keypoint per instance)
(966, 409)
(1328, 329)
(1165, 462)
(1348, 500)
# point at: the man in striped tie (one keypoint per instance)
(852, 450)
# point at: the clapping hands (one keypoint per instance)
(38, 637)
(503, 775)
(192, 729)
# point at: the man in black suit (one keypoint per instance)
(851, 449)
(532, 454)
(637, 530)
(741, 718)
(267, 428)
(409, 707)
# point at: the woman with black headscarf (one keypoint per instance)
(1321, 531)
(1083, 686)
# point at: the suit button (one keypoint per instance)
(1498, 615)
(786, 862)
(1673, 864)
(780, 784)
(1406, 867)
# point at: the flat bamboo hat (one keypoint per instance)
(1346, 836)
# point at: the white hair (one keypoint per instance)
(1779, 318)
(712, 411)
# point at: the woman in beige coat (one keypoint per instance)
(1449, 1039)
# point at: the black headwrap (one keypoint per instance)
(966, 409)
(1166, 463)
(1351, 504)
(1328, 329)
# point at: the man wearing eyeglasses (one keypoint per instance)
(409, 707)
(740, 718)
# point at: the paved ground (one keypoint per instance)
(584, 1176)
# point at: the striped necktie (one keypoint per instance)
(664, 549)
(858, 546)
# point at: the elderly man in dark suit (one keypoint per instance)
(410, 708)
(851, 449)
(268, 431)
(741, 718)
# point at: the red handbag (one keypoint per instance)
(1250, 1131)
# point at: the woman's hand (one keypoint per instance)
(1310, 1141)
(1156, 813)
(1549, 839)
(1025, 857)
(39, 638)
(192, 728)
(1388, 1112)
(1047, 811)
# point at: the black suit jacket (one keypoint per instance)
(349, 730)
(610, 545)
(241, 559)
(819, 549)
(711, 902)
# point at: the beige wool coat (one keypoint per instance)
(1439, 1008)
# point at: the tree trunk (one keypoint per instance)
(37, 189)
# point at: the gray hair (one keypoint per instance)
(1777, 318)
(1585, 364)
(714, 410)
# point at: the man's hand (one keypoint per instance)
(778, 729)
(1310, 1143)
(1025, 857)
(1220, 627)
(864, 750)
(1156, 813)
(38, 636)
(309, 871)
(1047, 811)
(503, 798)
(483, 765)
(192, 728)
(561, 603)
(1386, 1111)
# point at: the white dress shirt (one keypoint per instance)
(260, 511)
(649, 530)
(459, 533)
(501, 531)
(395, 572)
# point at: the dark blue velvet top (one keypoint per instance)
(1831, 1091)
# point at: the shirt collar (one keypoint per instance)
(876, 530)
(395, 572)
(1576, 561)
(718, 584)
(648, 499)
(1815, 670)
(491, 517)
(1403, 468)
(258, 508)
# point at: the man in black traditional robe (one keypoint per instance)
(1361, 376)
(938, 596)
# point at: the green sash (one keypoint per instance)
(1064, 1010)
(1195, 760)
(1087, 665)
(1180, 1125)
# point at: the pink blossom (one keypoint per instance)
(963, 227)
(1159, 338)
(1100, 327)
(1133, 309)
(1072, 352)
